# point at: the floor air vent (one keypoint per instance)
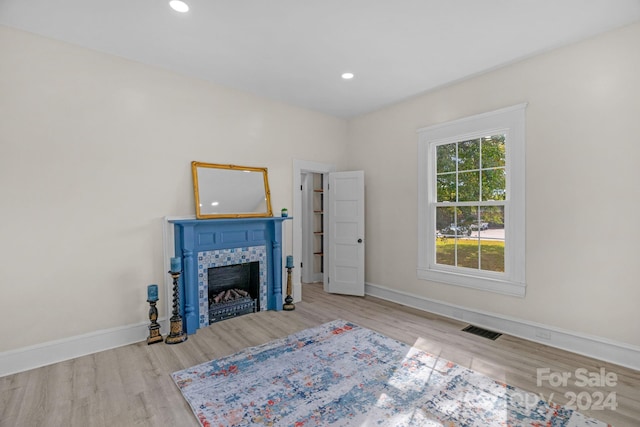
(481, 332)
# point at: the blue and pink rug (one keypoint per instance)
(340, 374)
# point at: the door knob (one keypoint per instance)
(359, 240)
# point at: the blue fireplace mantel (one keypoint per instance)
(192, 236)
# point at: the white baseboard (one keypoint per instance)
(599, 348)
(35, 356)
(26, 358)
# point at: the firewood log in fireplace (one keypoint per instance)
(229, 295)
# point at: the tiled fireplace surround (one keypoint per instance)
(204, 244)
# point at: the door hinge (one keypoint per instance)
(328, 280)
(300, 187)
(300, 265)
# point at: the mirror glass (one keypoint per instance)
(230, 191)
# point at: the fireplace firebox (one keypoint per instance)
(233, 290)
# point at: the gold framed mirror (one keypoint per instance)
(230, 191)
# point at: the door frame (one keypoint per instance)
(300, 167)
(309, 220)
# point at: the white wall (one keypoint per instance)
(94, 152)
(583, 124)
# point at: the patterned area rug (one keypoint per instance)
(340, 374)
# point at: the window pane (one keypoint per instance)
(494, 184)
(469, 155)
(445, 217)
(492, 221)
(446, 187)
(468, 253)
(467, 216)
(445, 250)
(492, 238)
(492, 255)
(469, 186)
(493, 152)
(467, 247)
(445, 241)
(446, 158)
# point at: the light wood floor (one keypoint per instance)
(131, 385)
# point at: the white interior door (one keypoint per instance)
(346, 233)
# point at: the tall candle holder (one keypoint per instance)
(288, 301)
(154, 326)
(176, 333)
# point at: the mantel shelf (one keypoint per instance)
(221, 221)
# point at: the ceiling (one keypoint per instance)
(294, 51)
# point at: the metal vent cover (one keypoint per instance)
(481, 332)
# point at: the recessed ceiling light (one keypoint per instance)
(179, 6)
(347, 76)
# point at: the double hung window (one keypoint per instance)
(471, 202)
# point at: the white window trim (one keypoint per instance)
(510, 120)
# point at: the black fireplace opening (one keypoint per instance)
(233, 290)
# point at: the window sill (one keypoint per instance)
(499, 286)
